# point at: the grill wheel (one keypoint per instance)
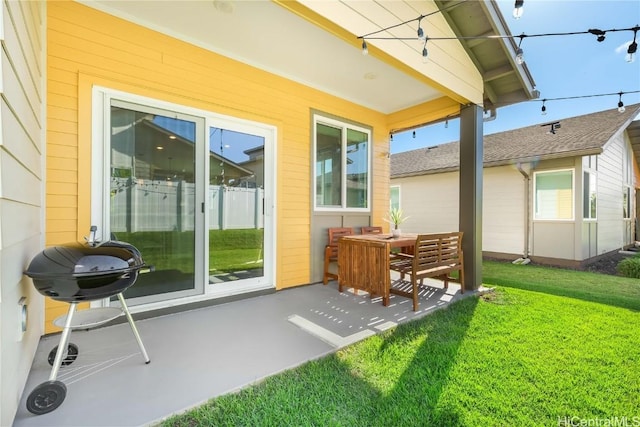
(46, 397)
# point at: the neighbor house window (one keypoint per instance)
(395, 197)
(589, 193)
(626, 202)
(341, 165)
(554, 195)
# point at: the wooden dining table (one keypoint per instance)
(364, 262)
(402, 241)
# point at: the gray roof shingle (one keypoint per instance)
(581, 135)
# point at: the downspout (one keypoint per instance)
(527, 178)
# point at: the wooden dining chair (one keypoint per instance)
(374, 229)
(435, 256)
(331, 251)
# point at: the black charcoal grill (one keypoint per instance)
(77, 273)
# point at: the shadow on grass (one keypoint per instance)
(420, 386)
(616, 291)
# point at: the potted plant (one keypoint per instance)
(396, 217)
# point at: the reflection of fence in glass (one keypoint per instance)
(159, 205)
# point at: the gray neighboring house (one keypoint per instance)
(563, 198)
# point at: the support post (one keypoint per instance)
(471, 151)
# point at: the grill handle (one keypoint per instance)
(91, 240)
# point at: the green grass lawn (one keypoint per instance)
(548, 345)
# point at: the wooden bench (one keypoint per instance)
(364, 265)
(435, 256)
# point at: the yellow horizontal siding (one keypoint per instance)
(61, 138)
(87, 47)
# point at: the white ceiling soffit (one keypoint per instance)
(265, 35)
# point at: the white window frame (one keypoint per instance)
(573, 194)
(590, 168)
(399, 196)
(626, 191)
(344, 125)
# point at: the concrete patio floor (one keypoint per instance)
(203, 353)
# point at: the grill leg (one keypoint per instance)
(64, 342)
(133, 328)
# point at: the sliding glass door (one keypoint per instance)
(193, 191)
(153, 191)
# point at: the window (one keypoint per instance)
(554, 195)
(589, 189)
(394, 203)
(626, 202)
(341, 165)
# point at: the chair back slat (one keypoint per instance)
(335, 234)
(374, 229)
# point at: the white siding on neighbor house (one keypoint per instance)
(503, 210)
(431, 203)
(611, 225)
(22, 126)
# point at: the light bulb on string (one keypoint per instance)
(620, 104)
(517, 9)
(544, 108)
(599, 33)
(519, 51)
(425, 53)
(365, 48)
(420, 30)
(633, 47)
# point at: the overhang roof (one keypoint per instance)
(505, 81)
(268, 36)
(577, 136)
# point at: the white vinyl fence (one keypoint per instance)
(148, 205)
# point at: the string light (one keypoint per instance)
(520, 52)
(600, 36)
(517, 9)
(365, 48)
(633, 47)
(597, 32)
(620, 104)
(424, 51)
(420, 30)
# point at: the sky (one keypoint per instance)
(561, 66)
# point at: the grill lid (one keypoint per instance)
(85, 260)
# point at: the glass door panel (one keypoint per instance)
(153, 196)
(236, 206)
